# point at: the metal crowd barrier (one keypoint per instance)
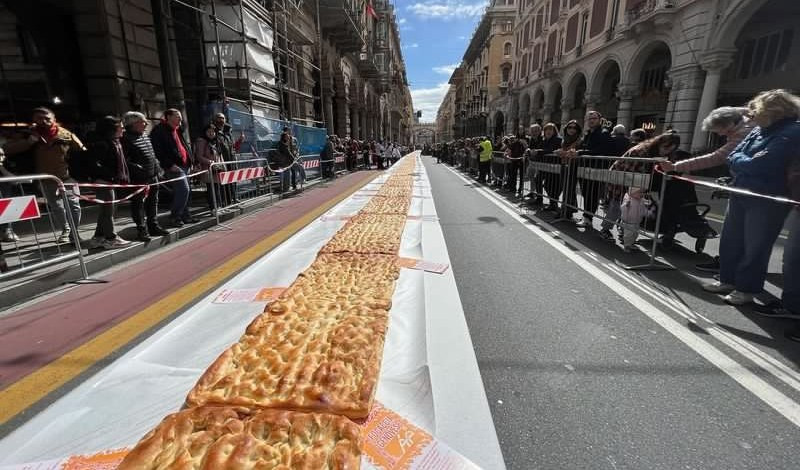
(39, 232)
(233, 183)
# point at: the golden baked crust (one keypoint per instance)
(368, 233)
(394, 191)
(349, 279)
(299, 356)
(387, 205)
(217, 438)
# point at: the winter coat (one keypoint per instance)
(49, 157)
(106, 161)
(143, 165)
(719, 156)
(206, 153)
(597, 142)
(759, 162)
(166, 148)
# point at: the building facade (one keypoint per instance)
(325, 63)
(656, 64)
(484, 71)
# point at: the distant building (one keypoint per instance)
(645, 63)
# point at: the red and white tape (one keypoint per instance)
(14, 209)
(139, 188)
(244, 174)
(309, 164)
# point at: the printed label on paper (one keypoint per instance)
(422, 265)
(234, 296)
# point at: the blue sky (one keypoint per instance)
(434, 34)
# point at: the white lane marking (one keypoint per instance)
(747, 379)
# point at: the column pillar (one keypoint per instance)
(714, 63)
(567, 105)
(356, 121)
(329, 112)
(547, 113)
(625, 108)
(342, 116)
(683, 102)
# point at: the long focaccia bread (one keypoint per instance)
(217, 438)
(387, 205)
(395, 191)
(348, 279)
(368, 233)
(298, 357)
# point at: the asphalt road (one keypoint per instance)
(588, 366)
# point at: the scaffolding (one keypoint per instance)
(249, 58)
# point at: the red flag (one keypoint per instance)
(371, 11)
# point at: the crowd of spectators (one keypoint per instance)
(759, 150)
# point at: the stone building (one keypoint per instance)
(656, 64)
(445, 117)
(485, 69)
(264, 59)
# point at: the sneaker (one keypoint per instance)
(793, 334)
(116, 242)
(719, 288)
(157, 231)
(711, 267)
(94, 243)
(64, 237)
(586, 222)
(775, 310)
(738, 298)
(606, 234)
(9, 236)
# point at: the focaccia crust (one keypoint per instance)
(368, 233)
(214, 438)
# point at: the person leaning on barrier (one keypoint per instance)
(546, 153)
(175, 157)
(662, 146)
(484, 159)
(621, 141)
(638, 136)
(596, 142)
(517, 146)
(228, 148)
(282, 161)
(143, 168)
(51, 146)
(327, 153)
(534, 142)
(206, 153)
(752, 224)
(571, 141)
(110, 167)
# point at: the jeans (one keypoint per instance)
(514, 168)
(483, 170)
(751, 227)
(180, 195)
(613, 212)
(55, 204)
(142, 209)
(105, 216)
(298, 173)
(791, 265)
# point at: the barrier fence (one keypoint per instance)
(45, 237)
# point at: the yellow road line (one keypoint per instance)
(28, 390)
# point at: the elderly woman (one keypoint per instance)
(752, 224)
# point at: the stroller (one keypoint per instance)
(683, 213)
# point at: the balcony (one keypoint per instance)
(503, 85)
(341, 23)
(367, 65)
(648, 16)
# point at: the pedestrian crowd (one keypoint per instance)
(760, 151)
(120, 152)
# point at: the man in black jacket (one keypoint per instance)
(143, 168)
(175, 157)
(227, 149)
(596, 142)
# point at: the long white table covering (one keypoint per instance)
(429, 373)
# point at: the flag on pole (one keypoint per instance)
(370, 10)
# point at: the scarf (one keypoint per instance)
(48, 134)
(122, 165)
(181, 149)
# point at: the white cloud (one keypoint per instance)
(446, 69)
(401, 21)
(428, 100)
(462, 38)
(412, 45)
(447, 9)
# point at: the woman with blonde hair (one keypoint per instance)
(752, 224)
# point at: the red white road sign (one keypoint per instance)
(14, 209)
(309, 164)
(233, 176)
(338, 159)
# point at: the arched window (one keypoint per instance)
(505, 72)
(507, 49)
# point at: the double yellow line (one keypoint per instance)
(30, 389)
